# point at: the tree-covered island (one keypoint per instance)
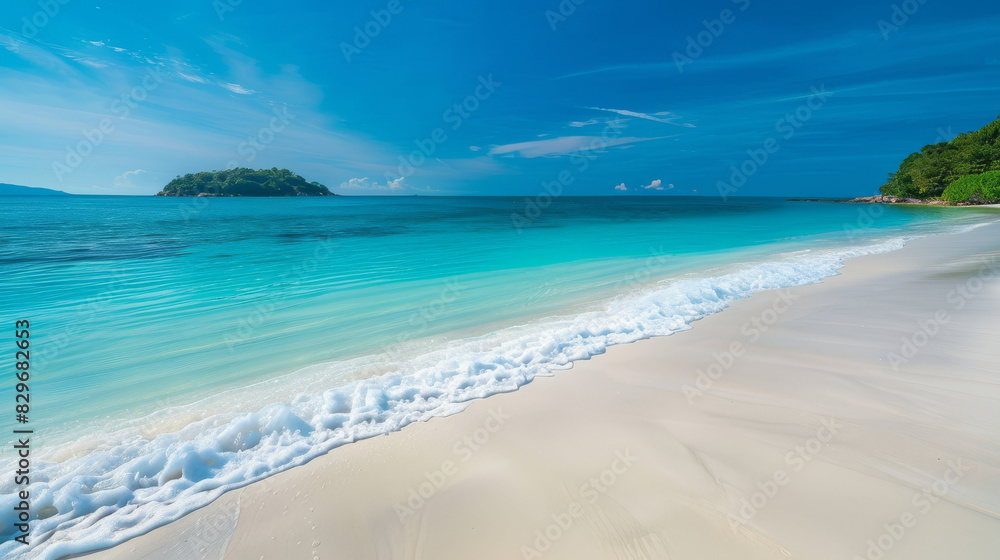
(243, 181)
(964, 170)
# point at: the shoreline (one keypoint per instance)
(896, 201)
(665, 447)
(889, 199)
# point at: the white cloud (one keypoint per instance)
(124, 181)
(656, 117)
(367, 185)
(578, 124)
(116, 49)
(10, 44)
(620, 187)
(475, 148)
(236, 88)
(190, 78)
(655, 185)
(563, 145)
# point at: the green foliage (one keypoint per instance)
(979, 188)
(927, 173)
(243, 181)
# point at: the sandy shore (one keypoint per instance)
(854, 418)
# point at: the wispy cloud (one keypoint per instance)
(237, 88)
(665, 117)
(931, 39)
(365, 184)
(579, 124)
(564, 145)
(125, 179)
(187, 123)
(11, 44)
(190, 78)
(93, 63)
(645, 67)
(621, 187)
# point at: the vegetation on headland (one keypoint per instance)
(243, 181)
(963, 170)
(980, 188)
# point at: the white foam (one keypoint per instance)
(135, 483)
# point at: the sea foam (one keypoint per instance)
(134, 483)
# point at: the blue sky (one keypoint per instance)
(499, 98)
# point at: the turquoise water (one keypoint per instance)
(140, 300)
(351, 316)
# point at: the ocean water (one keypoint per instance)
(185, 347)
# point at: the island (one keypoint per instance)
(242, 181)
(20, 190)
(962, 171)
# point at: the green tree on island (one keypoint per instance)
(973, 157)
(243, 181)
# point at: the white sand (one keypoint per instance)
(862, 454)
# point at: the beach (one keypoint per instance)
(453, 281)
(851, 418)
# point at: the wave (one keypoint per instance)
(135, 482)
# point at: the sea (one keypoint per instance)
(184, 347)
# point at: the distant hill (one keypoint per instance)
(18, 190)
(243, 181)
